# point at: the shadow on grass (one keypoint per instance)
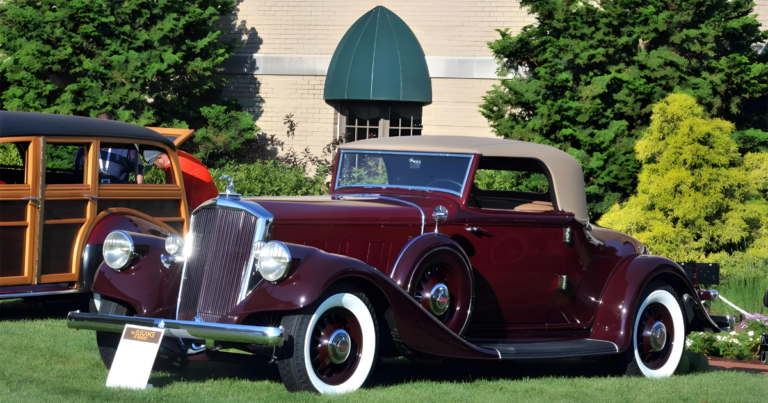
(41, 307)
(388, 372)
(394, 371)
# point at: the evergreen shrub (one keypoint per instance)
(269, 178)
(586, 75)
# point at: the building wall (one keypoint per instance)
(270, 98)
(761, 9)
(444, 27)
(452, 28)
(454, 110)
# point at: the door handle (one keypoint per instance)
(92, 197)
(477, 229)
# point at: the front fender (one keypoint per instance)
(108, 221)
(314, 271)
(146, 285)
(614, 320)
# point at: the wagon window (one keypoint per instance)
(12, 162)
(126, 163)
(511, 184)
(64, 163)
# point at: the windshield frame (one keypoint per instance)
(469, 157)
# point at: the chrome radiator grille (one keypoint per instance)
(213, 274)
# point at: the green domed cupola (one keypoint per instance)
(379, 59)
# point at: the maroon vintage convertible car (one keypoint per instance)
(427, 247)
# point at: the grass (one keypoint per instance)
(745, 291)
(42, 360)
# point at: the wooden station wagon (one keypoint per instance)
(64, 187)
(428, 247)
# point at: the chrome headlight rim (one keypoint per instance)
(174, 244)
(274, 261)
(128, 253)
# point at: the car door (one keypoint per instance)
(517, 260)
(161, 195)
(19, 209)
(516, 241)
(69, 206)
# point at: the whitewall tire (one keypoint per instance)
(334, 345)
(658, 338)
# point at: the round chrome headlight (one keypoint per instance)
(118, 249)
(173, 244)
(274, 261)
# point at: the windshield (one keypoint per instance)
(382, 169)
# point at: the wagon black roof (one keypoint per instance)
(16, 124)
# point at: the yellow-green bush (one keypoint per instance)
(698, 198)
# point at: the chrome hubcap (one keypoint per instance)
(439, 299)
(338, 346)
(658, 336)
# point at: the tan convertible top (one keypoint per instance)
(567, 176)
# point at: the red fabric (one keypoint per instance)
(198, 184)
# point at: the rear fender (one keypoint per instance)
(146, 284)
(314, 271)
(614, 320)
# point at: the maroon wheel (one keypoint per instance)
(654, 329)
(442, 286)
(337, 341)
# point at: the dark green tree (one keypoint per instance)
(150, 62)
(586, 75)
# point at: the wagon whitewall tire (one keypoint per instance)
(662, 306)
(316, 364)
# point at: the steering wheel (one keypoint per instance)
(445, 180)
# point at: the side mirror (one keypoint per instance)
(440, 214)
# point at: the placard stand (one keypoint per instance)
(135, 357)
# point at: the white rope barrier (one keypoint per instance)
(722, 298)
(746, 314)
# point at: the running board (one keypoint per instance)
(553, 349)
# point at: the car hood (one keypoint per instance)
(352, 209)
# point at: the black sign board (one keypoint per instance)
(706, 273)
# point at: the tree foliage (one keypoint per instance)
(269, 178)
(148, 62)
(698, 198)
(586, 75)
(228, 137)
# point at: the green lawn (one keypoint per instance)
(42, 360)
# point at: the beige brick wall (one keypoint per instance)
(761, 9)
(270, 98)
(455, 107)
(444, 27)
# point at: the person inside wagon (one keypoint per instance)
(116, 164)
(198, 183)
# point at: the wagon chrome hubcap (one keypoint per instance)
(658, 337)
(338, 346)
(439, 299)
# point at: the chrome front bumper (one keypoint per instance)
(267, 336)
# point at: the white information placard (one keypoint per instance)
(135, 357)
